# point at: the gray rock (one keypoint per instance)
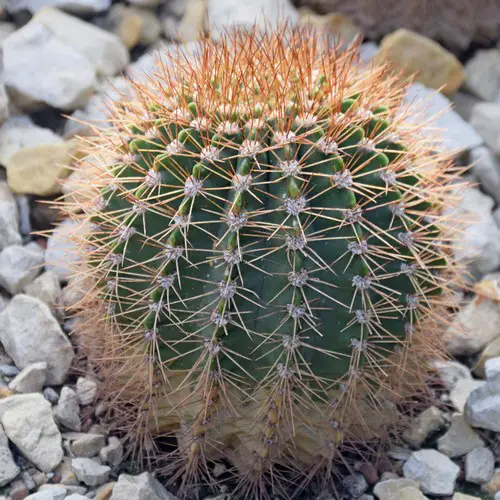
(367, 52)
(67, 411)
(483, 407)
(145, 3)
(61, 253)
(90, 472)
(45, 288)
(485, 119)
(399, 453)
(482, 74)
(492, 368)
(450, 372)
(8, 370)
(141, 487)
(29, 333)
(457, 133)
(50, 395)
(8, 468)
(31, 50)
(55, 492)
(355, 484)
(86, 391)
(4, 98)
(9, 227)
(81, 7)
(460, 438)
(479, 466)
(31, 379)
(459, 395)
(88, 445)
(112, 454)
(464, 103)
(19, 265)
(434, 472)
(487, 171)
(105, 52)
(28, 422)
(390, 489)
(423, 426)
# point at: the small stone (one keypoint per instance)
(423, 426)
(434, 472)
(39, 170)
(482, 74)
(67, 411)
(483, 407)
(412, 53)
(141, 487)
(9, 227)
(49, 492)
(145, 3)
(88, 446)
(479, 466)
(45, 288)
(334, 24)
(30, 379)
(191, 25)
(112, 454)
(460, 438)
(389, 490)
(461, 392)
(90, 472)
(450, 372)
(355, 484)
(125, 23)
(50, 395)
(65, 472)
(19, 265)
(77, 496)
(18, 490)
(29, 333)
(462, 496)
(492, 368)
(9, 370)
(28, 422)
(28, 480)
(86, 390)
(493, 486)
(105, 491)
(8, 468)
(485, 119)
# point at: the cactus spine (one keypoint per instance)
(263, 246)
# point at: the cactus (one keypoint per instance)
(266, 260)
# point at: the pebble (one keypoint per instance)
(29, 333)
(90, 472)
(390, 489)
(482, 74)
(31, 50)
(460, 439)
(493, 486)
(355, 484)
(105, 491)
(411, 493)
(7, 370)
(459, 395)
(54, 492)
(483, 407)
(86, 391)
(190, 27)
(80, 7)
(39, 170)
(19, 265)
(450, 372)
(479, 466)
(45, 288)
(67, 411)
(112, 454)
(485, 119)
(30, 379)
(50, 395)
(141, 487)
(8, 468)
(421, 427)
(434, 472)
(28, 422)
(9, 226)
(18, 490)
(492, 368)
(412, 53)
(487, 171)
(88, 446)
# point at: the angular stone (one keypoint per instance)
(29, 333)
(30, 379)
(90, 472)
(112, 454)
(141, 487)
(67, 411)
(463, 389)
(88, 446)
(86, 391)
(412, 53)
(483, 407)
(125, 24)
(9, 227)
(19, 265)
(45, 288)
(485, 119)
(460, 438)
(53, 492)
(492, 368)
(479, 466)
(355, 484)
(39, 170)
(450, 372)
(434, 472)
(421, 427)
(28, 422)
(390, 489)
(482, 74)
(411, 493)
(105, 491)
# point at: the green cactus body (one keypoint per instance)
(264, 236)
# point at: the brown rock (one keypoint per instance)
(105, 491)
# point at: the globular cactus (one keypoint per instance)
(266, 259)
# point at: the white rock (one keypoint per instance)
(29, 333)
(460, 438)
(30, 51)
(462, 390)
(76, 496)
(67, 411)
(479, 466)
(487, 171)
(9, 227)
(30, 379)
(102, 49)
(141, 487)
(492, 368)
(86, 391)
(454, 132)
(420, 428)
(89, 445)
(19, 132)
(82, 7)
(19, 265)
(112, 454)
(390, 489)
(45, 288)
(482, 74)
(434, 472)
(224, 14)
(450, 372)
(55, 492)
(486, 120)
(8, 468)
(90, 472)
(28, 422)
(483, 407)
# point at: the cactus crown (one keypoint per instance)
(263, 237)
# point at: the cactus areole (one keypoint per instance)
(262, 238)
